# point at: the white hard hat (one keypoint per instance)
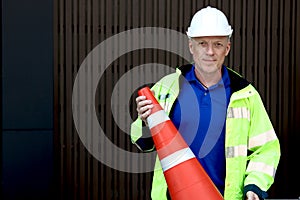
(209, 22)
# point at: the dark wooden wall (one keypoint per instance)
(265, 49)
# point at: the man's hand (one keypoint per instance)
(251, 196)
(143, 107)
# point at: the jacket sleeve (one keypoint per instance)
(140, 133)
(140, 136)
(263, 147)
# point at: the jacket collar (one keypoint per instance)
(237, 82)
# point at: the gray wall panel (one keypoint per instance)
(27, 80)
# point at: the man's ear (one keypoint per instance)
(228, 48)
(191, 46)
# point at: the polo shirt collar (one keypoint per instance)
(191, 77)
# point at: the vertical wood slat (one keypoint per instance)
(81, 159)
(296, 106)
(75, 41)
(268, 67)
(102, 34)
(88, 174)
(261, 44)
(68, 79)
(273, 62)
(265, 50)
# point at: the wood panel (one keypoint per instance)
(265, 49)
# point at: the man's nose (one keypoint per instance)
(210, 49)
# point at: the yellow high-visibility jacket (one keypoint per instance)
(252, 148)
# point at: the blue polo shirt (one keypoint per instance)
(199, 114)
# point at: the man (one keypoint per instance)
(219, 114)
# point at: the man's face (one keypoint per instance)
(209, 52)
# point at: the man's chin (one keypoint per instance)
(210, 69)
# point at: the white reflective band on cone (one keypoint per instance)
(176, 158)
(157, 118)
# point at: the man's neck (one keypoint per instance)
(208, 79)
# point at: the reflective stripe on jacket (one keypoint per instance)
(251, 146)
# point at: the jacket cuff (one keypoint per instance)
(145, 144)
(141, 137)
(252, 187)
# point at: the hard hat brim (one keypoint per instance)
(191, 33)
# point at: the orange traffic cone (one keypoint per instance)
(185, 176)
